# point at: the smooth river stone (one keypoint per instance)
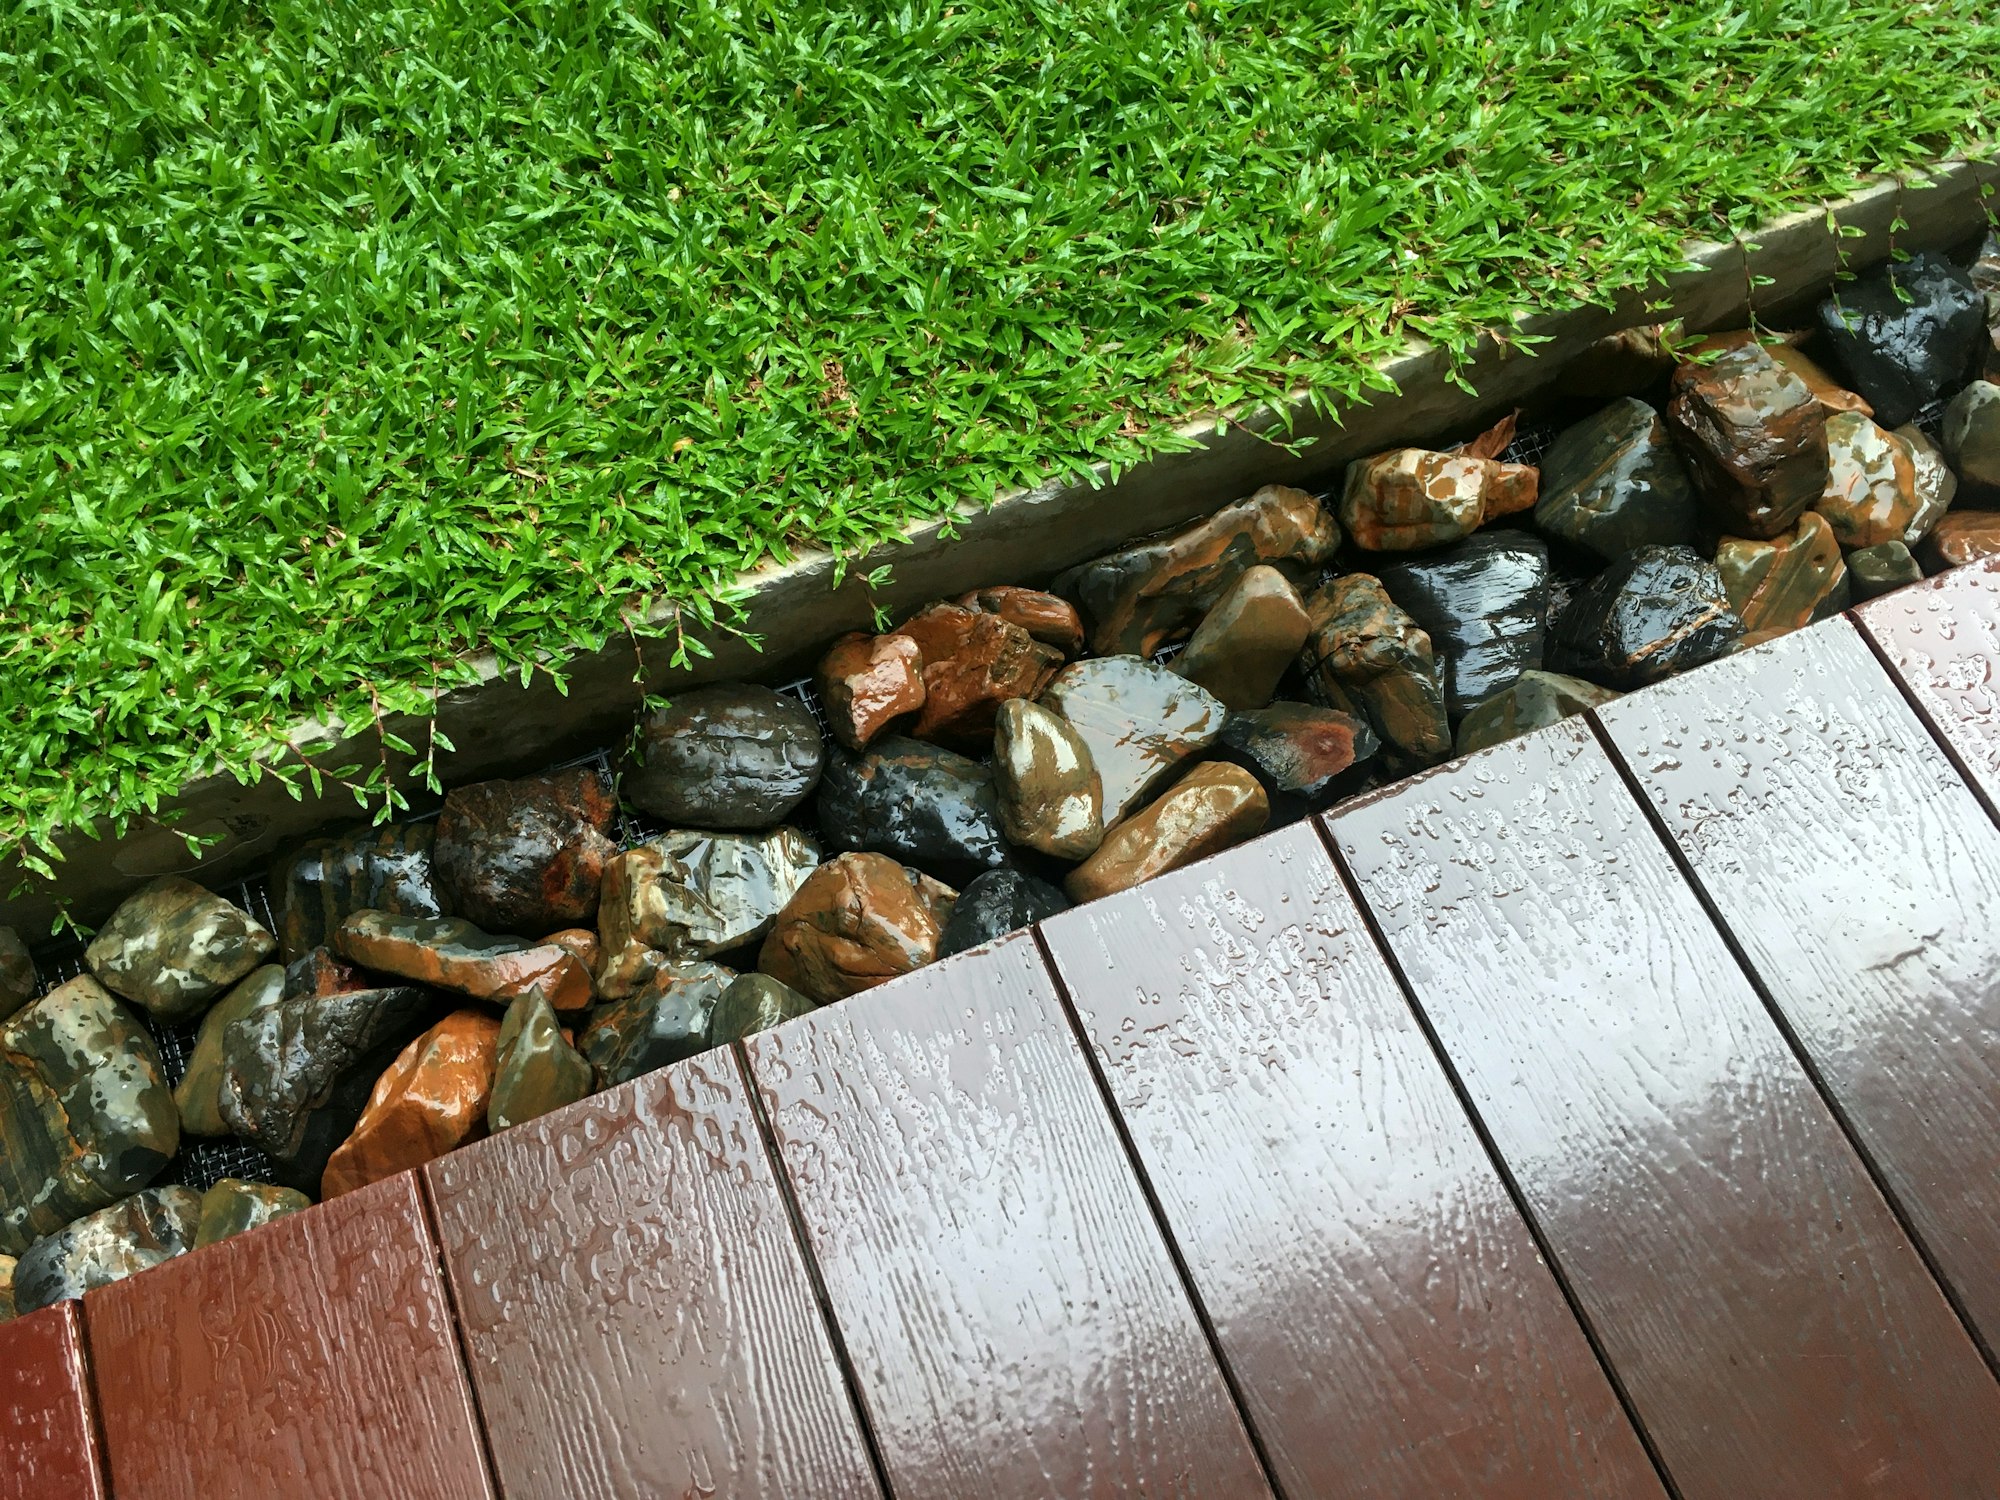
(1213, 807)
(132, 1235)
(1905, 333)
(1658, 612)
(297, 1075)
(1048, 618)
(727, 756)
(1367, 655)
(17, 973)
(752, 1003)
(997, 903)
(1972, 439)
(866, 683)
(1613, 482)
(323, 883)
(198, 1096)
(859, 921)
(1871, 484)
(919, 804)
(1485, 606)
(973, 663)
(1872, 571)
(1246, 641)
(1411, 498)
(1142, 597)
(85, 1114)
(1051, 797)
(448, 954)
(526, 856)
(1780, 585)
(1754, 439)
(536, 1070)
(1300, 753)
(1538, 700)
(1139, 720)
(694, 894)
(174, 947)
(1964, 536)
(663, 1022)
(430, 1100)
(234, 1207)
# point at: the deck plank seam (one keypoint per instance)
(441, 1265)
(1713, 911)
(1543, 1248)
(795, 1223)
(1174, 1253)
(1922, 710)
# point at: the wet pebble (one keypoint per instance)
(1535, 701)
(997, 903)
(1905, 333)
(1659, 611)
(430, 1100)
(727, 756)
(1613, 482)
(1139, 720)
(528, 855)
(973, 662)
(1754, 439)
(1247, 640)
(233, 1206)
(1876, 570)
(1050, 794)
(1972, 439)
(174, 947)
(1367, 656)
(861, 920)
(129, 1236)
(535, 1069)
(919, 804)
(752, 1003)
(664, 1021)
(1484, 604)
(1784, 583)
(322, 883)
(1212, 808)
(1300, 753)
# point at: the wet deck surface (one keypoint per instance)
(1613, 1113)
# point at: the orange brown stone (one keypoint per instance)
(1214, 806)
(867, 682)
(431, 1100)
(973, 662)
(1051, 620)
(859, 920)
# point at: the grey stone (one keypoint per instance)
(132, 1235)
(727, 756)
(174, 947)
(752, 1003)
(1140, 721)
(1613, 482)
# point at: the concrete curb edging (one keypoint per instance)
(499, 727)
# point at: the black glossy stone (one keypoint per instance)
(997, 903)
(1659, 611)
(1878, 569)
(132, 1235)
(1905, 333)
(1304, 756)
(1613, 482)
(663, 1022)
(752, 1003)
(727, 756)
(296, 1075)
(918, 804)
(526, 856)
(1484, 604)
(323, 883)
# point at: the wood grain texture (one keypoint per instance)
(1862, 881)
(1776, 1331)
(1371, 1283)
(637, 1314)
(1016, 1324)
(315, 1356)
(1942, 638)
(48, 1442)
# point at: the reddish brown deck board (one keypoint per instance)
(1861, 879)
(48, 1443)
(1776, 1331)
(1015, 1321)
(1942, 638)
(638, 1318)
(314, 1356)
(1370, 1281)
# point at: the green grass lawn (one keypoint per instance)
(341, 340)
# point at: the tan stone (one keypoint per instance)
(1051, 795)
(1964, 536)
(868, 682)
(1247, 640)
(432, 1100)
(1211, 808)
(860, 920)
(454, 955)
(1779, 585)
(1871, 483)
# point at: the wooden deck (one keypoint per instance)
(1613, 1113)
